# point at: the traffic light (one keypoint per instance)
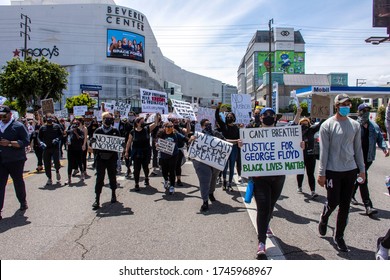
(172, 91)
(212, 102)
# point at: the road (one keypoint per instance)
(152, 225)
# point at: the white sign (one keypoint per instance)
(108, 143)
(62, 113)
(98, 115)
(154, 101)
(165, 146)
(79, 110)
(205, 113)
(242, 108)
(122, 108)
(210, 150)
(109, 107)
(271, 151)
(183, 109)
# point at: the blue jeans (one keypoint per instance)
(230, 163)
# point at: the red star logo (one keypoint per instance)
(16, 52)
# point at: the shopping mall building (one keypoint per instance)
(107, 49)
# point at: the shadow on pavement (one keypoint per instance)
(16, 220)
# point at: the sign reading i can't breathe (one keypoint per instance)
(271, 151)
(210, 150)
(108, 143)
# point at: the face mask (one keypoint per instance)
(364, 117)
(257, 118)
(268, 120)
(208, 128)
(344, 110)
(229, 120)
(108, 122)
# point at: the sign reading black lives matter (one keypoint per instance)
(165, 146)
(271, 151)
(210, 150)
(108, 143)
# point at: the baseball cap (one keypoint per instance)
(4, 109)
(364, 106)
(265, 109)
(341, 98)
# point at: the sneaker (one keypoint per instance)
(136, 188)
(75, 172)
(354, 201)
(146, 182)
(260, 255)
(204, 207)
(212, 197)
(340, 243)
(49, 182)
(58, 176)
(219, 180)
(179, 183)
(128, 173)
(313, 194)
(229, 187)
(381, 252)
(371, 211)
(166, 184)
(82, 177)
(69, 181)
(224, 185)
(299, 190)
(95, 205)
(322, 227)
(113, 198)
(239, 180)
(269, 232)
(23, 206)
(171, 190)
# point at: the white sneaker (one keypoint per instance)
(269, 232)
(166, 184)
(171, 190)
(75, 172)
(299, 190)
(58, 176)
(49, 182)
(314, 194)
(382, 253)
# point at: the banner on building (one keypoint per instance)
(271, 151)
(154, 101)
(210, 150)
(242, 108)
(183, 109)
(108, 143)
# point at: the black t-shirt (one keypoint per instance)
(141, 139)
(48, 133)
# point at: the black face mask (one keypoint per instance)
(108, 121)
(229, 120)
(49, 121)
(208, 128)
(268, 120)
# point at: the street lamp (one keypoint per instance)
(270, 63)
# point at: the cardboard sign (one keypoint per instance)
(108, 143)
(47, 106)
(320, 106)
(271, 151)
(205, 113)
(79, 111)
(242, 108)
(165, 146)
(154, 101)
(210, 150)
(183, 109)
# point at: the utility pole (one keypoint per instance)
(271, 21)
(25, 32)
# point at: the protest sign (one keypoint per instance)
(320, 106)
(183, 109)
(79, 111)
(165, 146)
(47, 106)
(62, 113)
(123, 108)
(109, 107)
(154, 101)
(205, 113)
(210, 150)
(108, 143)
(98, 115)
(271, 151)
(242, 107)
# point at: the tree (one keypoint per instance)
(32, 80)
(80, 100)
(380, 117)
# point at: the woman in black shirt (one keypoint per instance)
(75, 141)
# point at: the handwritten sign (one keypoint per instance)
(165, 146)
(242, 108)
(108, 143)
(271, 151)
(183, 109)
(154, 101)
(62, 113)
(205, 113)
(79, 111)
(210, 150)
(122, 108)
(47, 106)
(320, 106)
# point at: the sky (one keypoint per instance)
(210, 37)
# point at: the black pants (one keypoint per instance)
(74, 161)
(155, 154)
(39, 154)
(364, 193)
(178, 163)
(15, 170)
(84, 160)
(48, 155)
(101, 166)
(266, 192)
(386, 240)
(138, 163)
(310, 166)
(339, 187)
(168, 169)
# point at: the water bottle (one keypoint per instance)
(69, 140)
(249, 191)
(387, 182)
(359, 180)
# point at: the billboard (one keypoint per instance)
(125, 44)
